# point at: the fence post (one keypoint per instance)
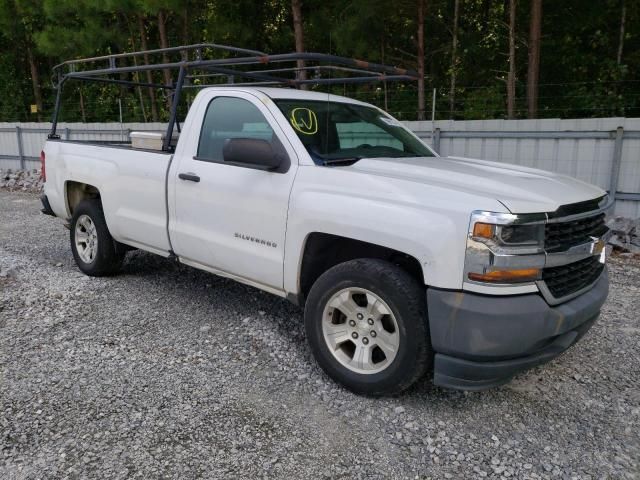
(615, 164)
(436, 140)
(20, 149)
(67, 133)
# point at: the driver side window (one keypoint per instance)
(230, 117)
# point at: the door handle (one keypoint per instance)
(191, 177)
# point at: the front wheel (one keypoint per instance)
(366, 323)
(96, 253)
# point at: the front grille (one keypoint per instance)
(567, 279)
(563, 235)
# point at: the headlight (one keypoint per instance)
(509, 235)
(505, 248)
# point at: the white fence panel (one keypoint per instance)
(33, 136)
(581, 148)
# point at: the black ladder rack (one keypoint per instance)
(237, 66)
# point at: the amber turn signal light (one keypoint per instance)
(506, 276)
(483, 230)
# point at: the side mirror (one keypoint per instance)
(251, 152)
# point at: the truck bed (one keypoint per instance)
(132, 185)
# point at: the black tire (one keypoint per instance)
(407, 300)
(110, 255)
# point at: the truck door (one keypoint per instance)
(230, 219)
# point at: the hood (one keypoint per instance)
(519, 189)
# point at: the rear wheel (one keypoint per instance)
(366, 324)
(96, 253)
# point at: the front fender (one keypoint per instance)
(409, 217)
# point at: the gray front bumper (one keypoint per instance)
(481, 341)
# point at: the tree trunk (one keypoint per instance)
(420, 48)
(486, 13)
(164, 43)
(298, 32)
(454, 59)
(384, 82)
(533, 71)
(511, 78)
(623, 17)
(139, 90)
(185, 23)
(35, 81)
(620, 73)
(82, 111)
(132, 39)
(143, 45)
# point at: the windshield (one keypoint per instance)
(337, 132)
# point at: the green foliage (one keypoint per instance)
(580, 74)
(483, 103)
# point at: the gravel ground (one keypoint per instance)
(165, 371)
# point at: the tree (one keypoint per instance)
(533, 71)
(149, 77)
(454, 58)
(164, 43)
(594, 51)
(511, 77)
(296, 10)
(623, 17)
(16, 89)
(30, 14)
(420, 51)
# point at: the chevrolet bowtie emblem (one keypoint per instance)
(598, 246)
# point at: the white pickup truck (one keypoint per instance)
(405, 262)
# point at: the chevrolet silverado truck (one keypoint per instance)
(405, 262)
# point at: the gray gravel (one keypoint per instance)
(626, 234)
(165, 371)
(21, 180)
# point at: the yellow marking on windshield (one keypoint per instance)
(304, 120)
